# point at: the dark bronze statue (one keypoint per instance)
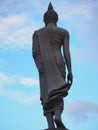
(52, 63)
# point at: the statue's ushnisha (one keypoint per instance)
(52, 64)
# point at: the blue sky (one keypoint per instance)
(20, 107)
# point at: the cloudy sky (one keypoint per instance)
(20, 107)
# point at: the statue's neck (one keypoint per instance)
(51, 24)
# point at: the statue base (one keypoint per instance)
(57, 129)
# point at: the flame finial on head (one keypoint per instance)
(50, 7)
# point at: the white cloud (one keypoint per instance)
(28, 81)
(6, 79)
(3, 62)
(15, 32)
(82, 9)
(80, 111)
(19, 95)
(17, 23)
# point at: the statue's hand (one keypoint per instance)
(70, 78)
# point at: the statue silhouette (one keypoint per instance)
(52, 63)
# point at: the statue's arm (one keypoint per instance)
(35, 49)
(34, 45)
(66, 52)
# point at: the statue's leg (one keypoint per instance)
(58, 119)
(49, 117)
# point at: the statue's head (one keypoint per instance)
(50, 15)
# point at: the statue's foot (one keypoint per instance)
(60, 124)
(60, 128)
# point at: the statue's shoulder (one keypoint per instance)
(62, 30)
(39, 30)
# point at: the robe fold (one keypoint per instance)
(51, 65)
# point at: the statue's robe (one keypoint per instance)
(47, 43)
